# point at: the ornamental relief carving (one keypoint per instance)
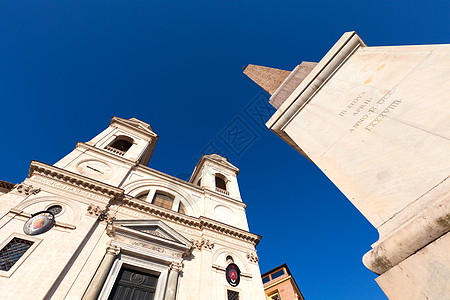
(153, 232)
(146, 245)
(73, 189)
(203, 244)
(252, 257)
(101, 214)
(27, 189)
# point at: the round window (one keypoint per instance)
(55, 209)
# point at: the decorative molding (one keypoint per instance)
(203, 244)
(114, 250)
(136, 243)
(6, 185)
(175, 266)
(198, 223)
(252, 257)
(424, 229)
(129, 234)
(101, 214)
(27, 189)
(73, 179)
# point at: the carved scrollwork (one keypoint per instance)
(252, 257)
(114, 250)
(175, 266)
(101, 214)
(27, 189)
(203, 244)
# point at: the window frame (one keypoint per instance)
(222, 177)
(130, 261)
(124, 138)
(152, 189)
(233, 290)
(273, 294)
(36, 242)
(168, 195)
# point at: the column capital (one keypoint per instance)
(114, 250)
(175, 266)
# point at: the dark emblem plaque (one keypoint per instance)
(233, 274)
(39, 223)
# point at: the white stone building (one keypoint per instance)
(376, 121)
(123, 230)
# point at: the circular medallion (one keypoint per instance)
(39, 223)
(94, 169)
(233, 274)
(137, 279)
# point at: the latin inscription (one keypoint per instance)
(147, 246)
(365, 108)
(228, 239)
(69, 188)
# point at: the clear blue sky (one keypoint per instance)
(66, 67)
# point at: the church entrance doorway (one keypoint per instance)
(134, 285)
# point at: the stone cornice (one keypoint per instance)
(57, 174)
(425, 228)
(205, 158)
(6, 185)
(340, 52)
(140, 129)
(199, 223)
(189, 185)
(322, 72)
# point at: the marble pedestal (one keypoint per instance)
(376, 121)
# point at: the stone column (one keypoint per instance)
(172, 279)
(96, 284)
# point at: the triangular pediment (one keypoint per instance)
(136, 123)
(221, 160)
(155, 231)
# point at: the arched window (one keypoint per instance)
(182, 209)
(142, 196)
(163, 200)
(55, 209)
(221, 184)
(229, 259)
(199, 182)
(120, 145)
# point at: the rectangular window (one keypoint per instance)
(266, 279)
(275, 297)
(232, 295)
(277, 274)
(12, 252)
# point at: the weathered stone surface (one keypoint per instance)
(424, 275)
(291, 83)
(376, 121)
(267, 78)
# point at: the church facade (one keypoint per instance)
(100, 224)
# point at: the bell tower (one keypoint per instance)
(215, 173)
(111, 155)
